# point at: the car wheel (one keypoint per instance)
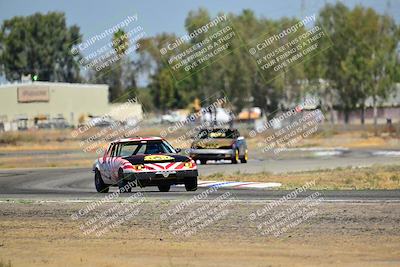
(203, 161)
(245, 157)
(122, 183)
(235, 158)
(101, 187)
(191, 184)
(164, 188)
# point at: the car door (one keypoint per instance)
(107, 162)
(103, 162)
(114, 162)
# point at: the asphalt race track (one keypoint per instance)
(77, 183)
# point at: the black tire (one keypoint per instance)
(245, 157)
(164, 187)
(122, 182)
(203, 161)
(101, 187)
(235, 157)
(191, 184)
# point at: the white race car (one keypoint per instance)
(149, 161)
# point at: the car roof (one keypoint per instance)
(151, 138)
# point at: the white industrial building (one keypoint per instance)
(26, 105)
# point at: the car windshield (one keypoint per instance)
(217, 133)
(145, 148)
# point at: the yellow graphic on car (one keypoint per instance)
(211, 145)
(157, 157)
(217, 134)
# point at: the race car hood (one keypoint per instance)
(213, 143)
(157, 158)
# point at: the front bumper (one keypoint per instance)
(161, 177)
(211, 154)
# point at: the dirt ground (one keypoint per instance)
(337, 234)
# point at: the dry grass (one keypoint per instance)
(5, 264)
(46, 161)
(34, 136)
(325, 137)
(375, 177)
(49, 146)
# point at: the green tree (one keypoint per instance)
(121, 74)
(166, 93)
(120, 42)
(362, 63)
(40, 45)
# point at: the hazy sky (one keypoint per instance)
(168, 16)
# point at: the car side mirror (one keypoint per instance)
(178, 150)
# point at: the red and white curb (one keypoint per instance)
(237, 185)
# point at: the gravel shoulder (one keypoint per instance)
(349, 234)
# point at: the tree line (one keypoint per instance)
(362, 62)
